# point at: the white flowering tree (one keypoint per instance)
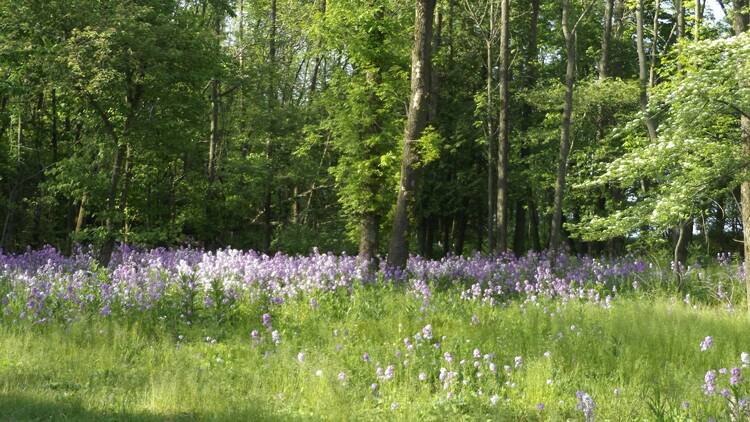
(701, 151)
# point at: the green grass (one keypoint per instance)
(113, 369)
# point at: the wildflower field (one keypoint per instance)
(188, 335)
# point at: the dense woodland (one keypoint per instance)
(378, 127)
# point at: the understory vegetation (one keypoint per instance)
(189, 335)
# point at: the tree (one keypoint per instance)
(416, 121)
(569, 33)
(503, 129)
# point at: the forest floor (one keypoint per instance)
(381, 354)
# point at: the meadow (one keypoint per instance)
(189, 335)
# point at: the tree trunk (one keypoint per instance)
(398, 249)
(459, 233)
(740, 25)
(655, 31)
(536, 242)
(503, 129)
(683, 234)
(114, 182)
(213, 143)
(8, 224)
(268, 194)
(519, 232)
(128, 174)
(446, 226)
(699, 19)
(368, 241)
(562, 158)
(606, 40)
(81, 213)
(492, 152)
(429, 240)
(680, 11)
(53, 130)
(745, 198)
(528, 79)
(643, 71)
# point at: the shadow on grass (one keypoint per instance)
(19, 407)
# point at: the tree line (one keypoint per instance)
(385, 127)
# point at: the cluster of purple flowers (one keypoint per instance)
(735, 394)
(142, 279)
(586, 405)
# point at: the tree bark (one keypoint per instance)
(680, 11)
(643, 71)
(503, 129)
(654, 45)
(683, 234)
(740, 25)
(459, 233)
(562, 157)
(369, 241)
(606, 40)
(81, 213)
(114, 183)
(398, 249)
(268, 194)
(491, 150)
(213, 143)
(698, 19)
(528, 79)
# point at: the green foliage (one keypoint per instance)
(697, 157)
(197, 369)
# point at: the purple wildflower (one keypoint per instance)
(736, 376)
(266, 319)
(427, 332)
(586, 405)
(709, 386)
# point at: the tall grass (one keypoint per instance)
(639, 359)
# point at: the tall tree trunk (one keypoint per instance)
(683, 234)
(369, 240)
(114, 183)
(536, 242)
(318, 59)
(398, 249)
(53, 130)
(654, 45)
(643, 71)
(459, 233)
(491, 149)
(503, 129)
(680, 12)
(128, 175)
(562, 157)
(740, 25)
(520, 229)
(606, 40)
(8, 224)
(213, 143)
(528, 78)
(268, 194)
(81, 213)
(446, 226)
(699, 6)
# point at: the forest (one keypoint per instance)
(266, 196)
(599, 127)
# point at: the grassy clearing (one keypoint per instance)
(113, 369)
